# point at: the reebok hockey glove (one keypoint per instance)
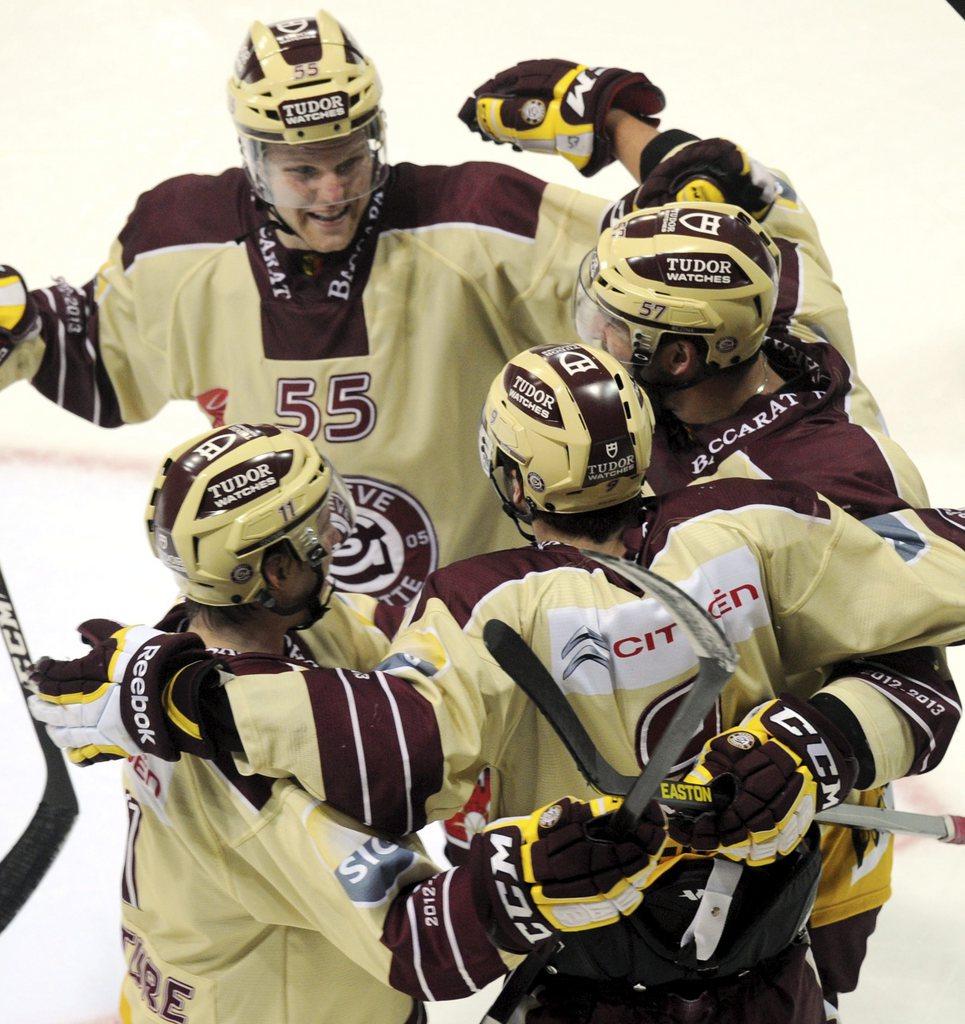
(137, 691)
(558, 870)
(18, 313)
(705, 170)
(556, 106)
(785, 762)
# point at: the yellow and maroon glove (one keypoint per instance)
(556, 106)
(708, 170)
(18, 313)
(137, 691)
(771, 774)
(560, 870)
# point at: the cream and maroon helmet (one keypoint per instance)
(574, 422)
(222, 499)
(300, 82)
(704, 270)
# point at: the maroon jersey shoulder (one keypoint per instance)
(462, 585)
(486, 194)
(189, 210)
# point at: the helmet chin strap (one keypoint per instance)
(513, 512)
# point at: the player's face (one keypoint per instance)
(321, 189)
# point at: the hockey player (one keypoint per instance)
(685, 295)
(566, 437)
(676, 165)
(322, 289)
(243, 899)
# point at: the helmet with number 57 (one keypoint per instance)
(574, 425)
(705, 271)
(222, 500)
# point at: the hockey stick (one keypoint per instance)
(717, 660)
(32, 854)
(529, 673)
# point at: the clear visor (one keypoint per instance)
(341, 513)
(603, 328)
(318, 175)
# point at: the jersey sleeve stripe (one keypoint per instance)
(417, 950)
(403, 750)
(359, 748)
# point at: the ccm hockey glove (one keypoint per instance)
(18, 313)
(556, 106)
(705, 170)
(559, 870)
(785, 762)
(137, 691)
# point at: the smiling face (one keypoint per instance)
(321, 189)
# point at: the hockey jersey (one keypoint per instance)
(773, 563)
(453, 270)
(246, 900)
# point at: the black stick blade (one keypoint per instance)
(31, 856)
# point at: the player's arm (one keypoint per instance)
(392, 748)
(83, 347)
(557, 106)
(839, 594)
(448, 933)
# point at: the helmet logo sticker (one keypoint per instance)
(726, 344)
(242, 572)
(535, 481)
(393, 548)
(578, 361)
(703, 223)
(166, 551)
(210, 449)
(533, 396)
(316, 110)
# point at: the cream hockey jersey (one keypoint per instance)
(806, 592)
(246, 900)
(382, 354)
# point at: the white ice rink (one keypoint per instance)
(862, 103)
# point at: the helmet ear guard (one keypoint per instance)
(700, 270)
(574, 424)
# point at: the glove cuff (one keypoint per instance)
(511, 922)
(842, 751)
(839, 716)
(658, 148)
(183, 696)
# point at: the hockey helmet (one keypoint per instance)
(576, 424)
(223, 498)
(703, 270)
(305, 82)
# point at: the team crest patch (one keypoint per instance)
(394, 546)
